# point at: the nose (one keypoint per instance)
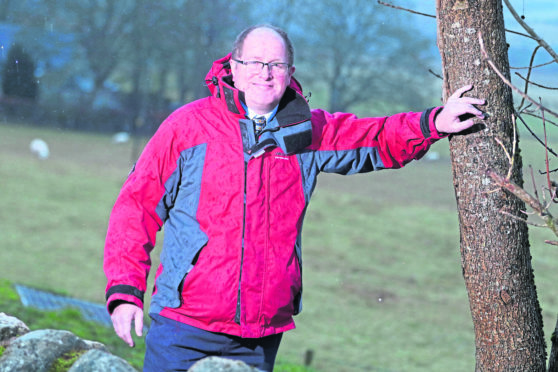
(266, 71)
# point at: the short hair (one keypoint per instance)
(239, 42)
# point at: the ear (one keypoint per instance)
(291, 72)
(234, 68)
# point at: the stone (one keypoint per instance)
(11, 327)
(216, 364)
(99, 360)
(38, 350)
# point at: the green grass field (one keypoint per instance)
(383, 289)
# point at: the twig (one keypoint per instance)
(529, 74)
(506, 213)
(531, 32)
(405, 9)
(520, 34)
(506, 81)
(535, 84)
(540, 117)
(536, 66)
(535, 136)
(433, 16)
(546, 152)
(534, 183)
(435, 74)
(516, 190)
(511, 157)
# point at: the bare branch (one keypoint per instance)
(532, 202)
(517, 191)
(435, 74)
(531, 32)
(540, 117)
(433, 16)
(535, 136)
(551, 242)
(536, 66)
(405, 9)
(535, 84)
(506, 81)
(529, 75)
(511, 157)
(534, 183)
(520, 34)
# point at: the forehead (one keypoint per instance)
(264, 42)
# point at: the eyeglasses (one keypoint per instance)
(255, 67)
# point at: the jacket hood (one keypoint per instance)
(221, 69)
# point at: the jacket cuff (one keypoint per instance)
(427, 125)
(123, 294)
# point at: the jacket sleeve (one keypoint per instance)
(343, 143)
(138, 214)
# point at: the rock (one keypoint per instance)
(216, 364)
(98, 360)
(38, 350)
(10, 327)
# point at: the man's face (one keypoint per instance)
(262, 89)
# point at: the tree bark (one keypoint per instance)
(553, 360)
(495, 251)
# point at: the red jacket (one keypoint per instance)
(232, 205)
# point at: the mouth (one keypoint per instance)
(262, 85)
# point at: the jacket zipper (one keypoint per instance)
(237, 314)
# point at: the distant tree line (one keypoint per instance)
(124, 65)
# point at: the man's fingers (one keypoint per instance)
(459, 92)
(122, 318)
(472, 101)
(122, 329)
(473, 111)
(138, 322)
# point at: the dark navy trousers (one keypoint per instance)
(175, 346)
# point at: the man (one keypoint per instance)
(232, 194)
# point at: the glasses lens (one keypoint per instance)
(254, 66)
(257, 67)
(279, 67)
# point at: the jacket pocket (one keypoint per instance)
(177, 260)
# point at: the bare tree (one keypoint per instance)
(495, 253)
(495, 250)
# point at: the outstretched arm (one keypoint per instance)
(459, 112)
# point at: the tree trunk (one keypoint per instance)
(496, 260)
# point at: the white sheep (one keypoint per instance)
(39, 148)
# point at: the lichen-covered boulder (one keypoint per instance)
(216, 364)
(11, 327)
(99, 360)
(38, 350)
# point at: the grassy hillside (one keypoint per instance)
(383, 289)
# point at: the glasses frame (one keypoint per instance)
(270, 65)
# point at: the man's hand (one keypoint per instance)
(122, 318)
(458, 112)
